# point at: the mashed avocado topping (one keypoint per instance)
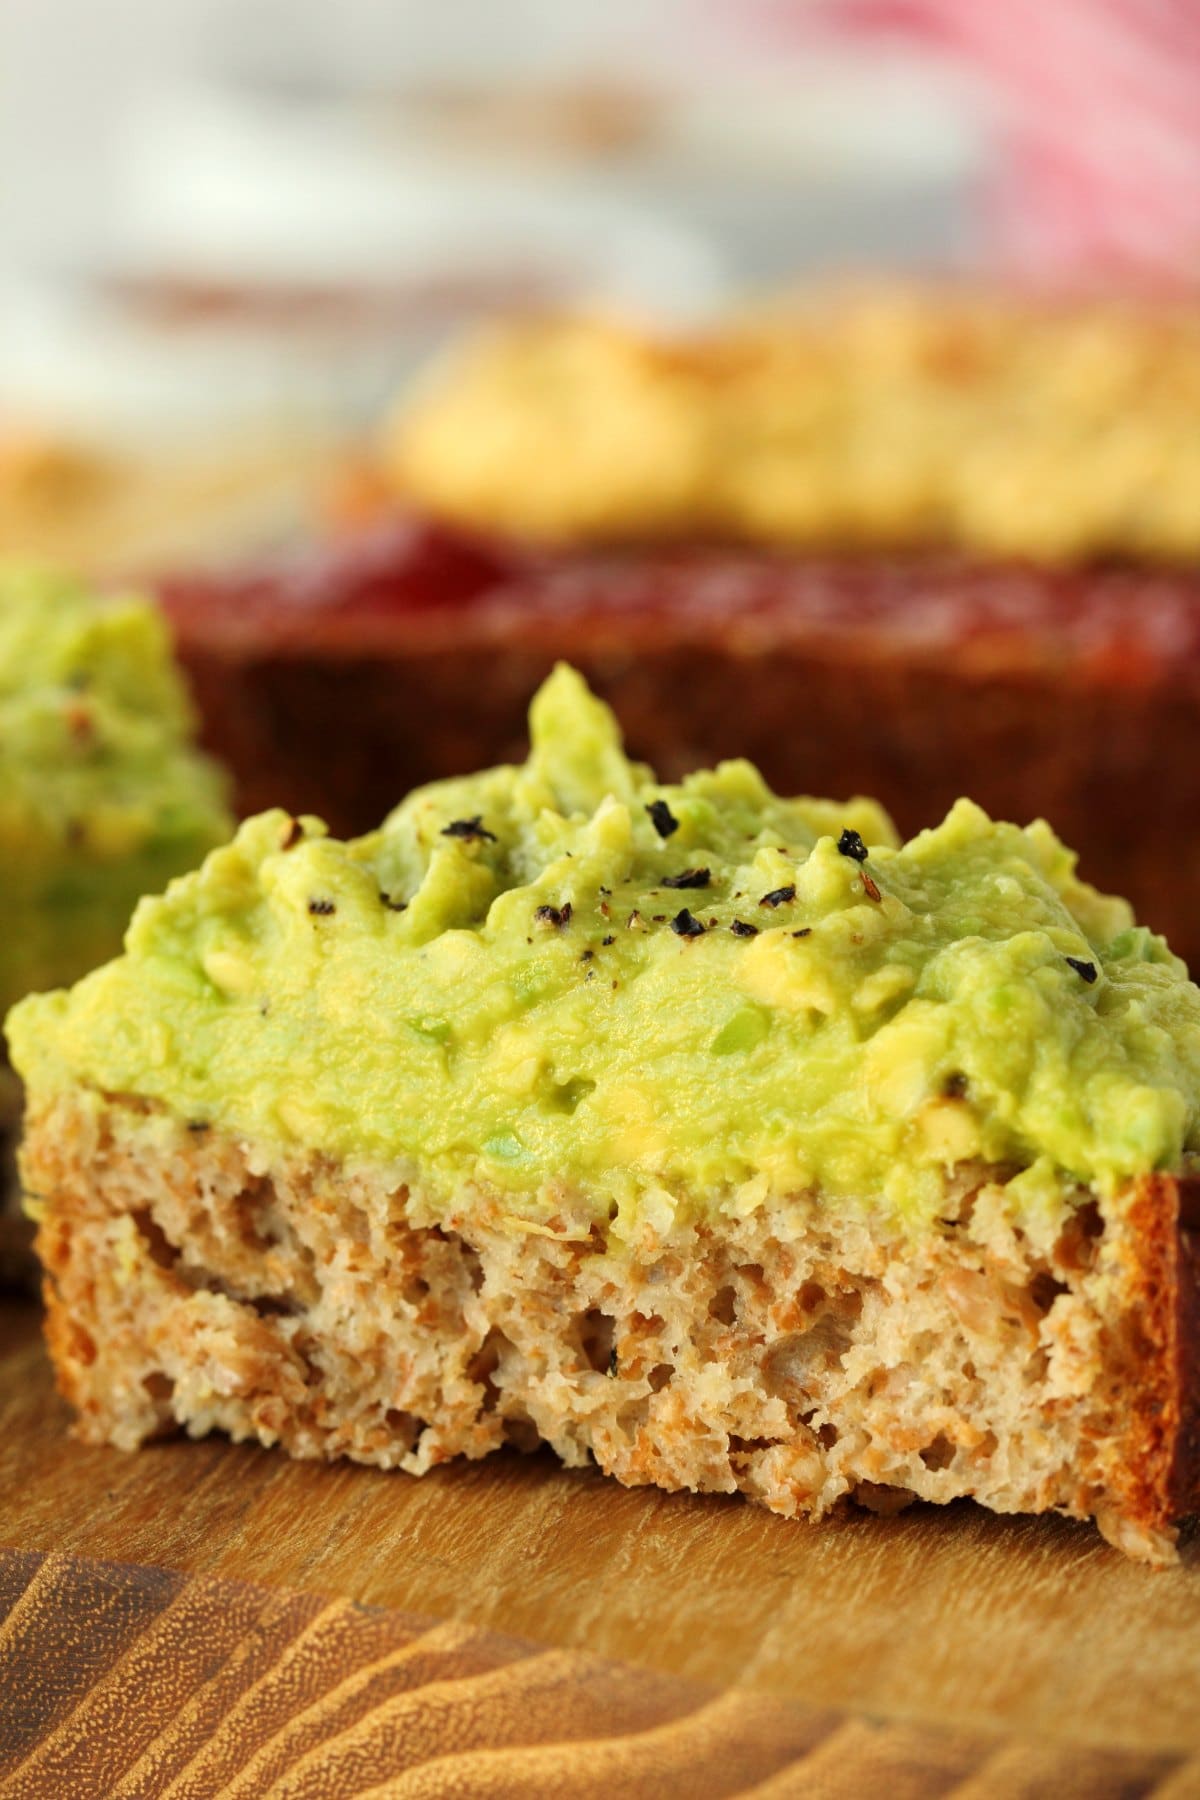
(702, 994)
(102, 798)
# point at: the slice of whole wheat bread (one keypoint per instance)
(803, 1355)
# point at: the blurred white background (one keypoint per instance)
(234, 211)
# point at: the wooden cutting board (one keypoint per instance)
(204, 1619)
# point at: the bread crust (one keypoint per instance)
(1181, 1485)
(1158, 1473)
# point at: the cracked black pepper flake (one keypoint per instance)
(685, 926)
(393, 905)
(558, 916)
(1086, 969)
(634, 921)
(469, 829)
(778, 896)
(321, 907)
(658, 918)
(199, 1125)
(871, 887)
(690, 878)
(804, 931)
(740, 928)
(587, 955)
(851, 844)
(662, 818)
(610, 939)
(293, 835)
(954, 1087)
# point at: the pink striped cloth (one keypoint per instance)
(1097, 105)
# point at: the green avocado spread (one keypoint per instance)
(102, 798)
(696, 995)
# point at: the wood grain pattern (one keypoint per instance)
(152, 1684)
(940, 1651)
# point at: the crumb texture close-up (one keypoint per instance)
(800, 1355)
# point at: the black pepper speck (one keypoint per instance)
(469, 829)
(662, 818)
(685, 926)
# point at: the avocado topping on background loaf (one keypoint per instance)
(668, 997)
(102, 797)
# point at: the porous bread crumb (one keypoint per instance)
(802, 1355)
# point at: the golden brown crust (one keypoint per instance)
(1182, 1484)
(111, 511)
(1156, 1378)
(881, 416)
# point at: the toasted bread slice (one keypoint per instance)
(802, 1355)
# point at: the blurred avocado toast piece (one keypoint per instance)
(716, 1136)
(102, 796)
